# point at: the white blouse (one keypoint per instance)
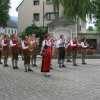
(45, 42)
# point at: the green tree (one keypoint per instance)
(75, 10)
(38, 31)
(79, 8)
(32, 30)
(90, 28)
(4, 9)
(96, 13)
(56, 6)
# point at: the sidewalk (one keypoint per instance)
(72, 83)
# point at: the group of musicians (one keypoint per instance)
(29, 46)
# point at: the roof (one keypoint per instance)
(19, 5)
(62, 20)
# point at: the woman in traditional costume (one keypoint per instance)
(46, 53)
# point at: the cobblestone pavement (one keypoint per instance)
(72, 83)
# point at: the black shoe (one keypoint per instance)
(69, 61)
(6, 65)
(84, 63)
(0, 62)
(16, 67)
(75, 65)
(25, 70)
(34, 65)
(22, 58)
(64, 66)
(30, 70)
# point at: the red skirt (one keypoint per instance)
(46, 61)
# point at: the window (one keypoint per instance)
(48, 2)
(35, 2)
(5, 31)
(8, 31)
(36, 16)
(51, 16)
(12, 31)
(15, 31)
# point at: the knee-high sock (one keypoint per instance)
(74, 60)
(28, 66)
(13, 63)
(25, 65)
(60, 63)
(63, 61)
(16, 61)
(34, 60)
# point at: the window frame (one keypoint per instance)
(36, 2)
(34, 14)
(50, 14)
(49, 2)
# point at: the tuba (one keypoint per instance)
(29, 43)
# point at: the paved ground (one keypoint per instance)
(71, 83)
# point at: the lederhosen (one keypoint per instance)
(61, 54)
(62, 50)
(15, 52)
(34, 52)
(5, 52)
(83, 51)
(74, 51)
(26, 54)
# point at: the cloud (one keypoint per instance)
(14, 4)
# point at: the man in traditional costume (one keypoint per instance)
(74, 46)
(35, 44)
(84, 46)
(26, 53)
(61, 43)
(5, 44)
(15, 50)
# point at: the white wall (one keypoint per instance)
(8, 30)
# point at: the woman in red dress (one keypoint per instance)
(46, 53)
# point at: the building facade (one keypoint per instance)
(12, 27)
(41, 13)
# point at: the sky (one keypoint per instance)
(15, 3)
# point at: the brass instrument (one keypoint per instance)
(1, 44)
(29, 43)
(17, 39)
(8, 40)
